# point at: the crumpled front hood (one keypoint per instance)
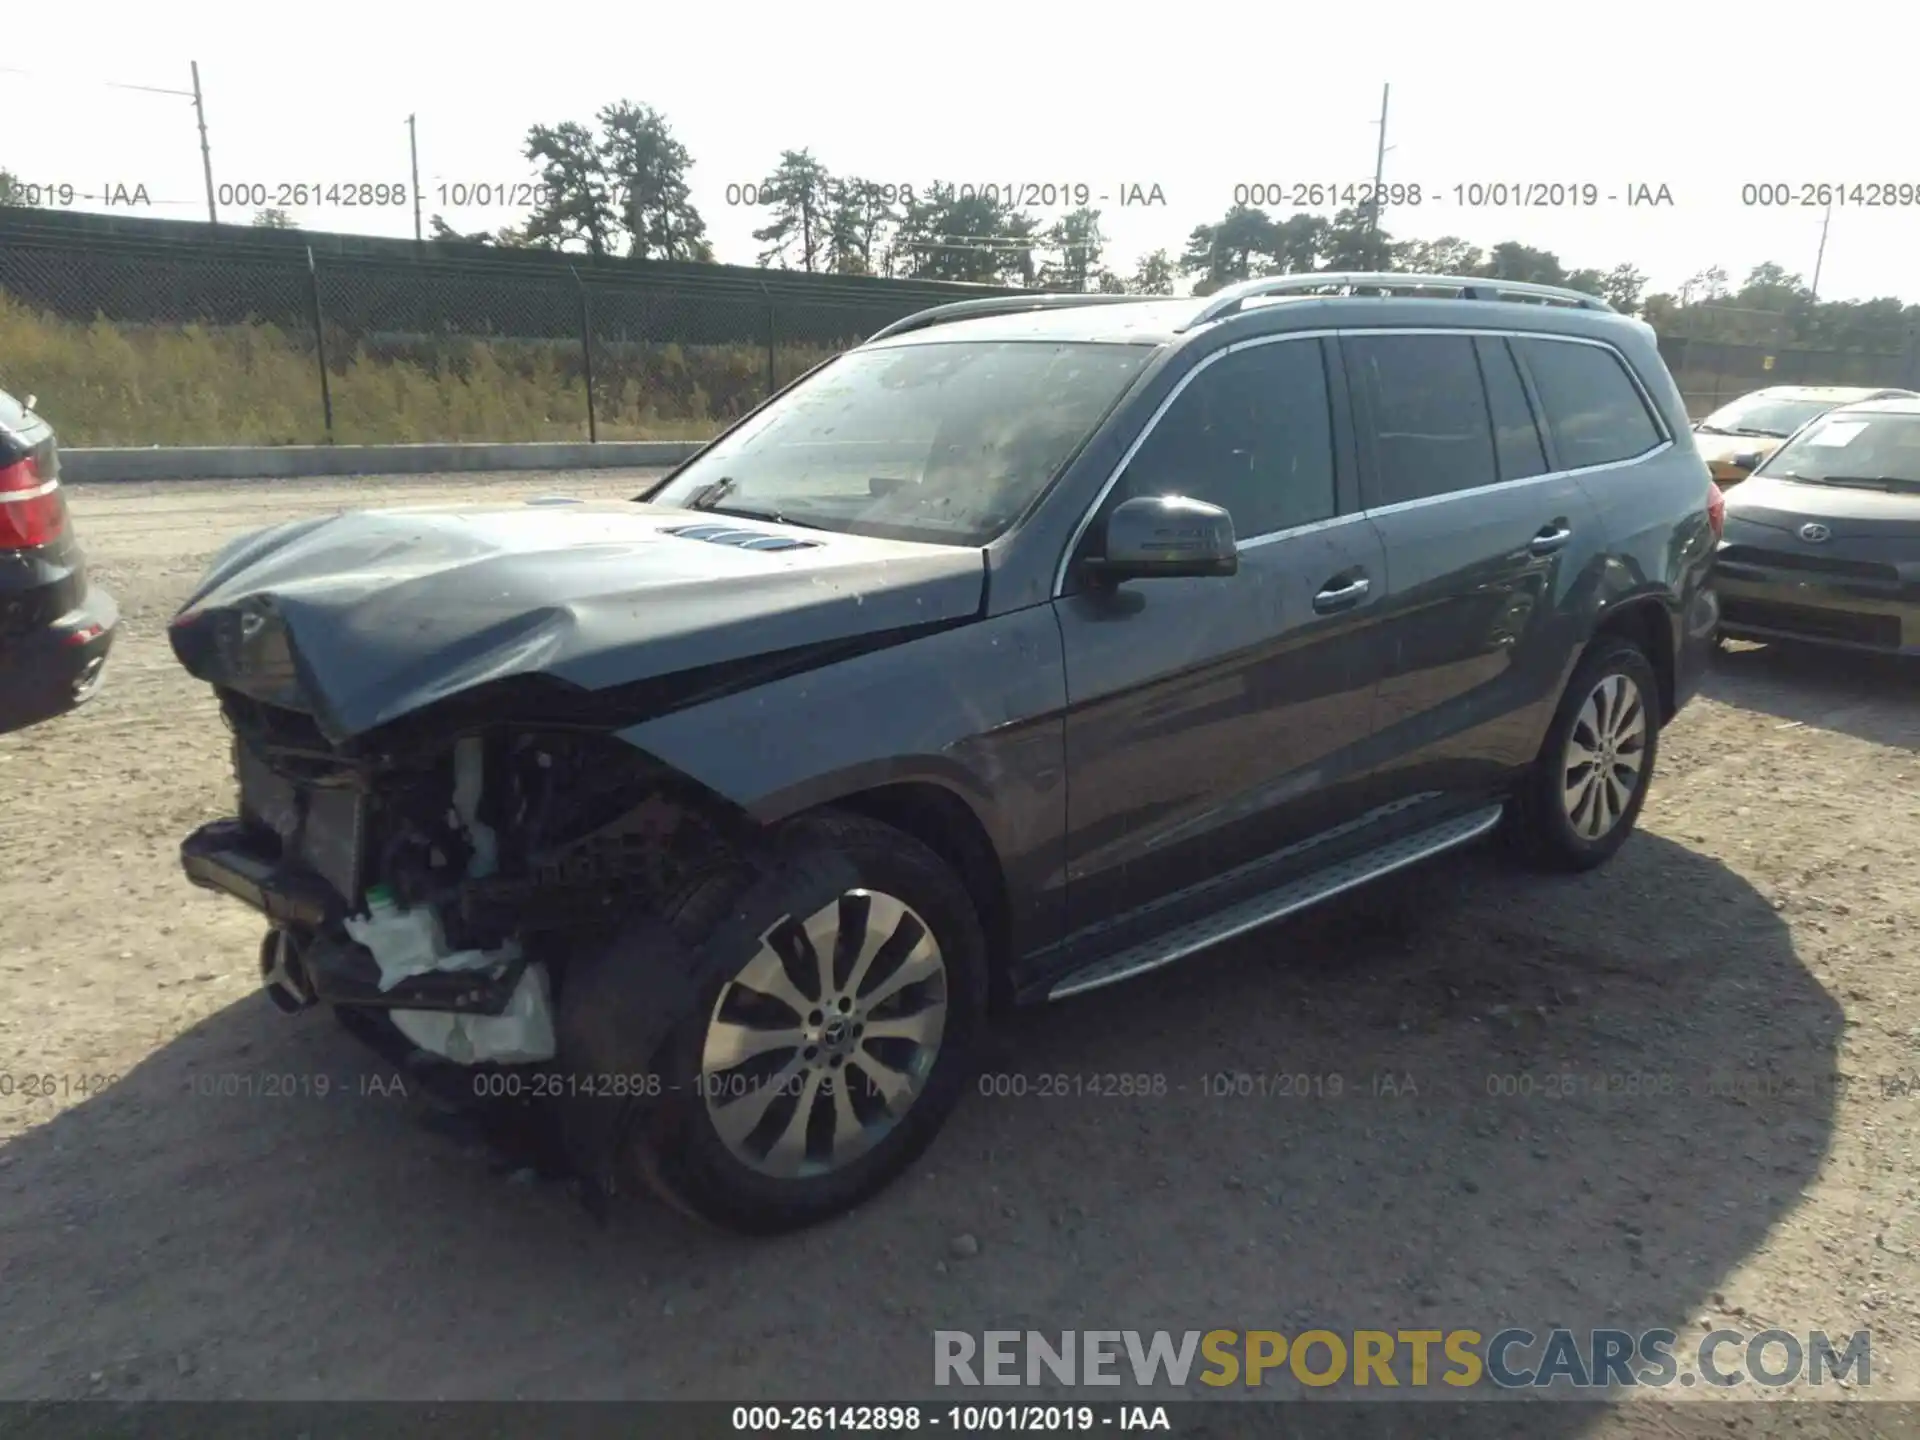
(364, 617)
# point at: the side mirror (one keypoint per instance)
(1750, 460)
(1161, 537)
(32, 400)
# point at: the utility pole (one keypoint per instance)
(206, 155)
(1380, 160)
(1820, 259)
(413, 146)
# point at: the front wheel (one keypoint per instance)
(1579, 802)
(823, 1055)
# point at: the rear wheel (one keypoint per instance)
(822, 1057)
(1579, 802)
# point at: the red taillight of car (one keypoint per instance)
(32, 509)
(1716, 509)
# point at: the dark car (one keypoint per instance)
(1822, 543)
(1030, 646)
(55, 626)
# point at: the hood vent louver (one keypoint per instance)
(739, 538)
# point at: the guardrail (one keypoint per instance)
(283, 462)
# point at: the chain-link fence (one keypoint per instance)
(1712, 372)
(164, 346)
(159, 333)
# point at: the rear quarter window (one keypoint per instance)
(1592, 409)
(1423, 411)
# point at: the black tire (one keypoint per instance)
(681, 1154)
(1539, 828)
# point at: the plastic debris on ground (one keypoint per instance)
(521, 1034)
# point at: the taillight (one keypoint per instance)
(1716, 509)
(32, 510)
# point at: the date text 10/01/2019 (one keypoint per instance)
(955, 1419)
(1018, 194)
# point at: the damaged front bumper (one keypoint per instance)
(225, 856)
(499, 1014)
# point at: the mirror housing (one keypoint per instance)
(32, 400)
(1748, 460)
(1163, 537)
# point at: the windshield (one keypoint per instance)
(1853, 448)
(947, 442)
(1758, 415)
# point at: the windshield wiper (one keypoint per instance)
(1870, 482)
(767, 513)
(1706, 429)
(706, 495)
(1769, 434)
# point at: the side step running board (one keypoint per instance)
(1258, 910)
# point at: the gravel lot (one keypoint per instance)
(1748, 959)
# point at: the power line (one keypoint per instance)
(108, 84)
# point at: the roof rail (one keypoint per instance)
(1466, 287)
(995, 305)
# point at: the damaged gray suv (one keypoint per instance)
(1034, 644)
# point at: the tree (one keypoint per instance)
(576, 205)
(1510, 260)
(974, 237)
(859, 214)
(1354, 243)
(1661, 311)
(1153, 276)
(439, 229)
(1227, 250)
(1074, 244)
(1771, 277)
(801, 193)
(1708, 284)
(647, 169)
(1622, 286)
(1449, 255)
(272, 219)
(1587, 281)
(1297, 245)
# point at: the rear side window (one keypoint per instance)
(1515, 435)
(1593, 409)
(1424, 419)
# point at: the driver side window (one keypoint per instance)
(1250, 433)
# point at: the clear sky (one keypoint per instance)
(1701, 98)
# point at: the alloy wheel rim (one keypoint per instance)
(823, 1041)
(1605, 757)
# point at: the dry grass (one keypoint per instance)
(106, 383)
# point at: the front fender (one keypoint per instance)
(978, 710)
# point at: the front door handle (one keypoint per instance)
(1550, 539)
(1341, 596)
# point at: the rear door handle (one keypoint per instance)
(1550, 539)
(1342, 597)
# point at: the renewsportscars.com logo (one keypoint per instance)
(1511, 1359)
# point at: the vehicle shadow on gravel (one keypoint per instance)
(1870, 697)
(1473, 1098)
